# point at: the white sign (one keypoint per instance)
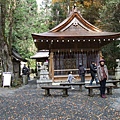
(6, 79)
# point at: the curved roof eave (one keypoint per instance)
(78, 35)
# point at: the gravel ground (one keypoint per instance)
(29, 103)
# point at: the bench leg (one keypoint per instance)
(65, 92)
(90, 92)
(47, 92)
(80, 88)
(115, 84)
(109, 91)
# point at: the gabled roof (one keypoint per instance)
(75, 19)
(76, 28)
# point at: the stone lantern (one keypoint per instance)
(44, 75)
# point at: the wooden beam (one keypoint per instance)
(101, 56)
(51, 66)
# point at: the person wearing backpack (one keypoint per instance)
(81, 72)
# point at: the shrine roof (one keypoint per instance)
(75, 26)
(41, 54)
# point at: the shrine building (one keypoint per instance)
(71, 42)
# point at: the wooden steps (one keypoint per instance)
(64, 77)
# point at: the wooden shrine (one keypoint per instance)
(71, 42)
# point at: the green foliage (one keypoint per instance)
(22, 29)
(58, 14)
(109, 17)
(91, 13)
(26, 22)
(17, 83)
(111, 53)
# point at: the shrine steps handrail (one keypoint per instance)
(75, 75)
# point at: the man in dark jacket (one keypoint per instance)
(81, 71)
(25, 74)
(93, 71)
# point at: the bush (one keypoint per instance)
(17, 83)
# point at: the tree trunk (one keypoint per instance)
(5, 49)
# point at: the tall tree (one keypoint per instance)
(110, 15)
(88, 8)
(58, 14)
(110, 21)
(28, 20)
(7, 8)
(25, 17)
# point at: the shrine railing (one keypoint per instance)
(65, 71)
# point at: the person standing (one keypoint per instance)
(25, 74)
(93, 71)
(81, 71)
(102, 73)
(70, 78)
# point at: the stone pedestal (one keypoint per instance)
(117, 70)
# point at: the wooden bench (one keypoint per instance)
(91, 87)
(76, 83)
(114, 82)
(64, 89)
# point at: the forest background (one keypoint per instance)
(20, 18)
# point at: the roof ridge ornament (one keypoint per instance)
(74, 8)
(75, 23)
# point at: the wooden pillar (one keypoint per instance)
(100, 54)
(51, 66)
